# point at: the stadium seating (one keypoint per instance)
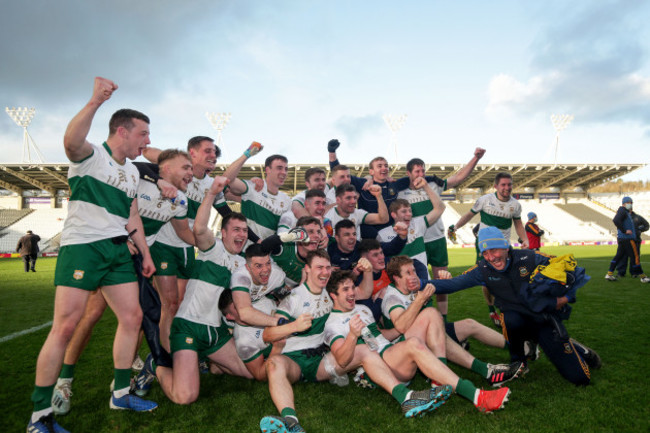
(46, 223)
(12, 216)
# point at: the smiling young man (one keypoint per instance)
(405, 357)
(346, 208)
(500, 210)
(198, 329)
(102, 213)
(503, 271)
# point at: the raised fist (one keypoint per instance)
(419, 183)
(103, 89)
(374, 190)
(332, 145)
(253, 149)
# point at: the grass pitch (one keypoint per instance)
(610, 317)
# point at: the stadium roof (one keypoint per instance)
(537, 177)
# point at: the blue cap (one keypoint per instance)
(532, 215)
(490, 238)
(627, 200)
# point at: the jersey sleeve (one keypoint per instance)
(241, 281)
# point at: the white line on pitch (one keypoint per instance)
(24, 331)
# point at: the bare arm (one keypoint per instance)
(464, 220)
(152, 154)
(403, 319)
(381, 217)
(233, 169)
(521, 232)
(343, 349)
(438, 205)
(464, 172)
(182, 229)
(275, 333)
(298, 209)
(364, 290)
(204, 237)
(249, 314)
(74, 141)
(134, 225)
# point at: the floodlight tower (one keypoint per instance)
(394, 123)
(560, 122)
(23, 117)
(219, 122)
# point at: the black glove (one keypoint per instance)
(332, 145)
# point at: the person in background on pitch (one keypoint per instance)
(640, 226)
(533, 232)
(627, 243)
(28, 249)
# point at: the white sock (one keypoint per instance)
(408, 395)
(119, 393)
(478, 391)
(41, 413)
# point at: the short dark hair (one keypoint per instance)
(368, 245)
(336, 279)
(233, 216)
(502, 175)
(394, 266)
(312, 171)
(311, 193)
(317, 253)
(344, 224)
(256, 250)
(195, 143)
(124, 118)
(343, 188)
(413, 163)
(169, 154)
(225, 299)
(270, 159)
(306, 220)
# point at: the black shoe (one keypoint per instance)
(589, 355)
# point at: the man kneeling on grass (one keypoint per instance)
(351, 333)
(302, 357)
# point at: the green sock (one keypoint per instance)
(443, 360)
(399, 393)
(444, 318)
(67, 371)
(492, 309)
(466, 389)
(480, 367)
(289, 411)
(122, 378)
(42, 397)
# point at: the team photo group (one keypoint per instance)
(347, 281)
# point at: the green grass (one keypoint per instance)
(610, 317)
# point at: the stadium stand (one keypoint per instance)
(46, 223)
(12, 216)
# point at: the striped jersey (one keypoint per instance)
(155, 210)
(101, 193)
(210, 276)
(497, 213)
(242, 281)
(421, 205)
(338, 326)
(414, 247)
(263, 209)
(195, 193)
(357, 217)
(248, 339)
(303, 300)
(394, 299)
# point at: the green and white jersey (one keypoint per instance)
(357, 217)
(195, 193)
(414, 247)
(421, 205)
(248, 339)
(329, 198)
(338, 326)
(287, 221)
(289, 261)
(241, 281)
(497, 213)
(212, 272)
(101, 193)
(263, 209)
(394, 299)
(303, 300)
(155, 210)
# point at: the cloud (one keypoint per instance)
(591, 65)
(355, 128)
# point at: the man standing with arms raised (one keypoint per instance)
(102, 214)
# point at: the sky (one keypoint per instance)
(295, 74)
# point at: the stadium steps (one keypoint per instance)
(587, 214)
(12, 216)
(44, 222)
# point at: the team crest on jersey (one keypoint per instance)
(78, 274)
(523, 271)
(189, 340)
(163, 265)
(391, 191)
(567, 348)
